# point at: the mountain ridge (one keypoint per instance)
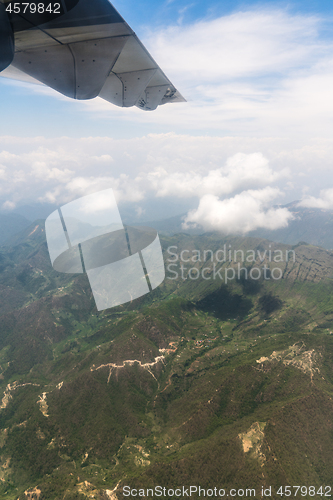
(166, 389)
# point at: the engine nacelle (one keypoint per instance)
(6, 39)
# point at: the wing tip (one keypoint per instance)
(171, 95)
(174, 96)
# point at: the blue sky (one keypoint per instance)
(169, 12)
(255, 132)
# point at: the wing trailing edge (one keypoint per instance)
(83, 50)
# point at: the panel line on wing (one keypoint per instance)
(74, 66)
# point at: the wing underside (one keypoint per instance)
(87, 51)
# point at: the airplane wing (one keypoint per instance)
(82, 49)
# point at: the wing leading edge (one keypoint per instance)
(83, 50)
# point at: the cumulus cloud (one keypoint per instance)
(123, 187)
(8, 205)
(324, 201)
(240, 170)
(242, 213)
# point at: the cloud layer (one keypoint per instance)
(206, 171)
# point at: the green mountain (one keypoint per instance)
(221, 377)
(11, 224)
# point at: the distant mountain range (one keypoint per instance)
(310, 225)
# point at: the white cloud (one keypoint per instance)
(242, 213)
(257, 72)
(8, 205)
(240, 170)
(123, 187)
(237, 45)
(324, 201)
(169, 166)
(61, 169)
(139, 211)
(3, 173)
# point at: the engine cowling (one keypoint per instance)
(6, 39)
